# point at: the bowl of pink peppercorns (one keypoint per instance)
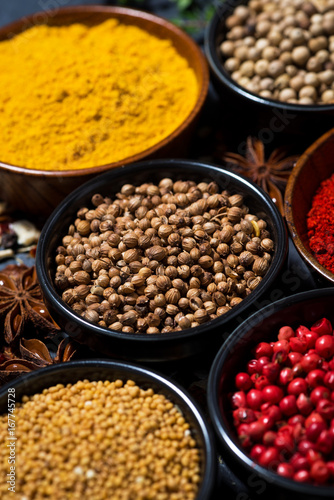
(271, 398)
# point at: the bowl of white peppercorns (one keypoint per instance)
(145, 261)
(277, 56)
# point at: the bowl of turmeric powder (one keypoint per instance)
(87, 89)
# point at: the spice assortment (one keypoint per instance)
(103, 94)
(99, 440)
(283, 406)
(282, 49)
(155, 259)
(320, 224)
(162, 258)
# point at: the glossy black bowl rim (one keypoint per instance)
(222, 430)
(224, 78)
(131, 370)
(126, 171)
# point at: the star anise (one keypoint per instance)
(270, 174)
(21, 303)
(33, 355)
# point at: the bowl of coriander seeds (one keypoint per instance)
(104, 429)
(276, 57)
(156, 269)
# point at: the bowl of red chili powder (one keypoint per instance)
(309, 206)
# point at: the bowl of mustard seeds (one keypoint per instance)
(90, 89)
(100, 429)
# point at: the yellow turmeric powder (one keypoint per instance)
(76, 96)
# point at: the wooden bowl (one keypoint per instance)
(313, 167)
(39, 192)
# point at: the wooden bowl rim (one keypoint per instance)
(132, 14)
(288, 212)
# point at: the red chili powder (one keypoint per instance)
(320, 224)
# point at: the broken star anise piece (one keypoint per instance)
(34, 355)
(21, 303)
(270, 174)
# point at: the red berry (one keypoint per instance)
(244, 416)
(325, 442)
(284, 442)
(285, 333)
(272, 393)
(254, 399)
(252, 366)
(281, 345)
(329, 380)
(330, 466)
(263, 349)
(314, 430)
(270, 458)
(297, 370)
(310, 362)
(256, 430)
(301, 331)
(325, 346)
(257, 451)
(271, 371)
(311, 338)
(315, 377)
(302, 476)
(285, 376)
(296, 419)
(325, 408)
(297, 386)
(312, 456)
(272, 410)
(260, 382)
(304, 446)
(269, 438)
(267, 421)
(294, 357)
(288, 405)
(243, 433)
(318, 393)
(304, 404)
(313, 417)
(285, 470)
(298, 345)
(322, 327)
(319, 472)
(243, 381)
(299, 462)
(262, 361)
(238, 399)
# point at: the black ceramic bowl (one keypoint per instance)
(270, 116)
(153, 347)
(73, 371)
(304, 308)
